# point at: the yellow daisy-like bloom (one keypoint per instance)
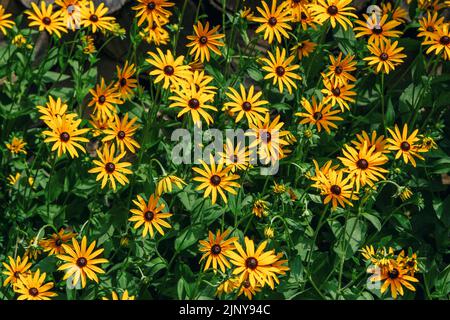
(246, 103)
(372, 140)
(125, 81)
(427, 143)
(336, 189)
(377, 29)
(429, 24)
(201, 82)
(386, 56)
(46, 19)
(16, 146)
(115, 296)
(256, 266)
(215, 179)
(409, 263)
(88, 45)
(296, 7)
(205, 40)
(397, 13)
(269, 233)
(364, 165)
(165, 184)
(405, 194)
(340, 94)
(13, 179)
(16, 268)
(227, 286)
(274, 21)
(395, 277)
(431, 5)
(66, 136)
(168, 68)
(152, 11)
(339, 71)
(5, 23)
(99, 124)
(53, 109)
(96, 18)
(104, 98)
(248, 290)
(122, 131)
(81, 261)
(216, 249)
(278, 188)
(150, 215)
(156, 34)
(54, 244)
(110, 167)
(32, 287)
(260, 208)
(269, 139)
(280, 69)
(337, 11)
(71, 12)
(235, 156)
(20, 41)
(368, 252)
(325, 169)
(306, 18)
(304, 48)
(193, 102)
(319, 115)
(439, 41)
(405, 145)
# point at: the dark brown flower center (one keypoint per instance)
(94, 18)
(102, 99)
(123, 82)
(272, 21)
(121, 135)
(332, 10)
(58, 242)
(169, 70)
(149, 215)
(215, 180)
(266, 136)
(430, 29)
(411, 263)
(151, 5)
(393, 274)
(17, 274)
(336, 92)
(338, 70)
(251, 263)
(280, 71)
(215, 249)
(317, 116)
(362, 164)
(303, 16)
(384, 56)
(377, 30)
(445, 40)
(33, 292)
(81, 262)
(246, 106)
(194, 103)
(64, 137)
(405, 146)
(47, 21)
(234, 158)
(110, 167)
(335, 189)
(203, 40)
(246, 284)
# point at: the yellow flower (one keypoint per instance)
(372, 140)
(304, 48)
(164, 185)
(260, 208)
(248, 290)
(227, 286)
(306, 18)
(205, 40)
(246, 103)
(397, 13)
(217, 250)
(46, 19)
(405, 193)
(80, 262)
(19, 41)
(155, 34)
(115, 296)
(16, 146)
(319, 115)
(71, 12)
(336, 188)
(337, 11)
(340, 94)
(32, 287)
(122, 131)
(125, 81)
(88, 45)
(386, 56)
(54, 109)
(152, 11)
(237, 157)
(269, 232)
(407, 146)
(95, 17)
(99, 124)
(339, 71)
(110, 167)
(319, 171)
(16, 268)
(427, 143)
(429, 25)
(54, 244)
(13, 179)
(280, 69)
(377, 29)
(274, 21)
(150, 215)
(395, 277)
(104, 98)
(5, 23)
(439, 41)
(279, 188)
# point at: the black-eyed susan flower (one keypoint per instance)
(235, 156)
(398, 13)
(439, 41)
(429, 24)
(336, 188)
(337, 11)
(274, 21)
(319, 114)
(216, 250)
(115, 296)
(339, 70)
(269, 232)
(205, 40)
(33, 250)
(66, 136)
(165, 184)
(33, 287)
(303, 48)
(122, 132)
(430, 5)
(427, 143)
(279, 68)
(99, 124)
(254, 265)
(104, 99)
(88, 45)
(227, 286)
(306, 18)
(52, 109)
(215, 179)
(260, 208)
(53, 245)
(377, 29)
(248, 290)
(373, 140)
(246, 103)
(405, 193)
(193, 102)
(338, 95)
(80, 261)
(45, 19)
(202, 82)
(95, 18)
(125, 82)
(150, 215)
(325, 169)
(364, 164)
(152, 11)
(409, 262)
(16, 267)
(386, 56)
(110, 167)
(16, 146)
(156, 34)
(395, 277)
(296, 7)
(5, 23)
(406, 145)
(279, 188)
(71, 12)
(168, 68)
